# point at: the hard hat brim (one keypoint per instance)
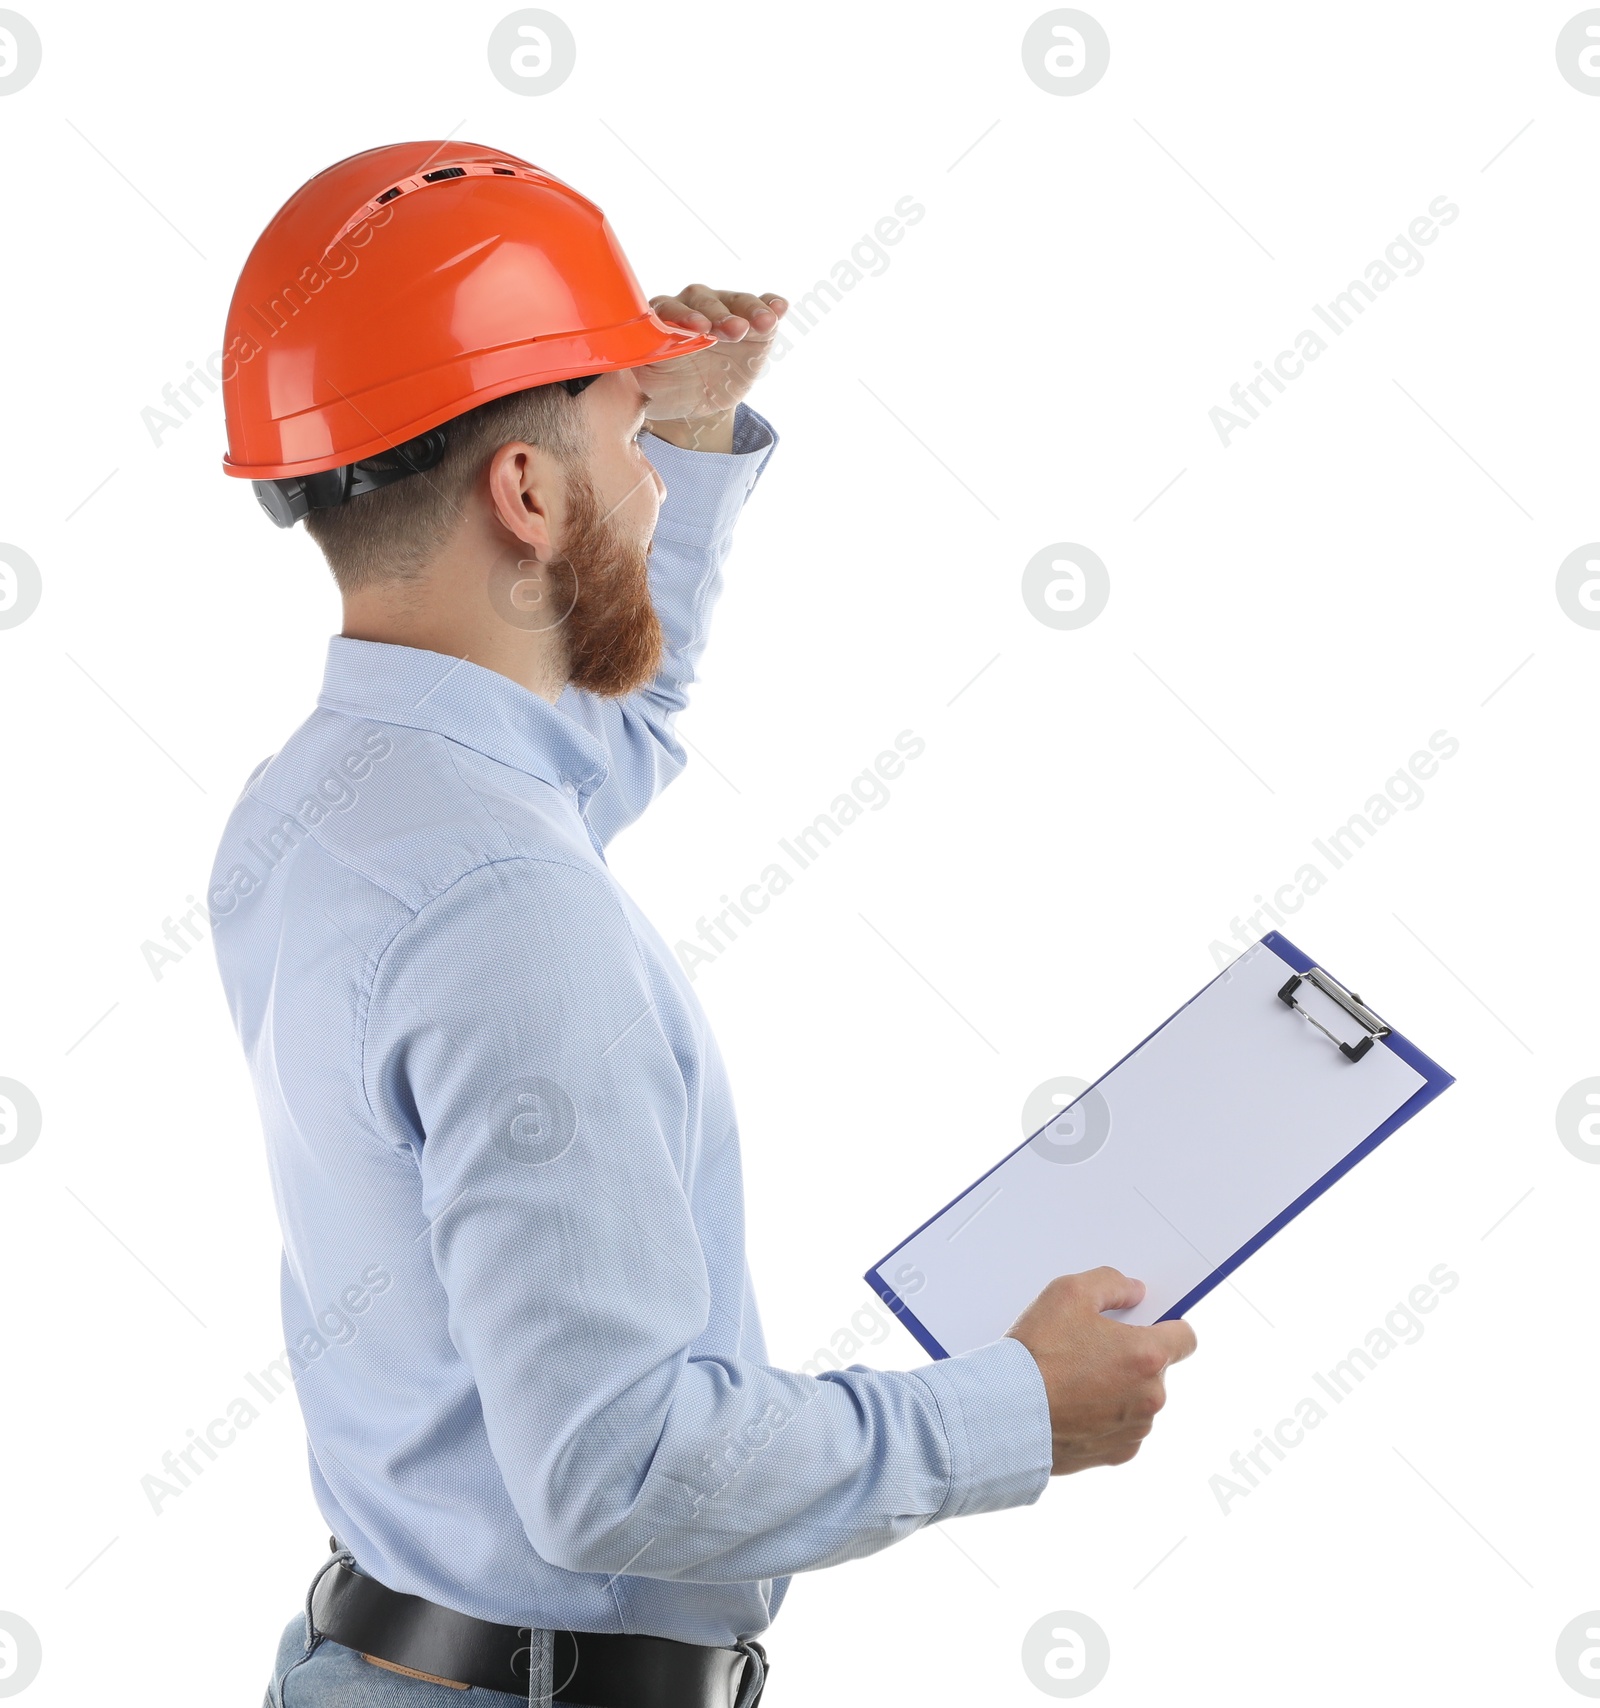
(436, 395)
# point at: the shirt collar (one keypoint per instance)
(465, 703)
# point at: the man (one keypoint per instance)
(542, 1426)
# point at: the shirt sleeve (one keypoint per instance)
(552, 1125)
(706, 490)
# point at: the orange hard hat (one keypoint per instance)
(409, 284)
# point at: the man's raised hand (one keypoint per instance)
(704, 387)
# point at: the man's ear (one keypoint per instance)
(524, 493)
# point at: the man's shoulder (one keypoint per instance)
(408, 811)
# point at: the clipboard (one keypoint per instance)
(1188, 1155)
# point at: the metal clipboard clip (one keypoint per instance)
(1347, 1000)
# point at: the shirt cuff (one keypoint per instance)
(706, 490)
(997, 1420)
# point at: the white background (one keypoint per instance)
(1374, 560)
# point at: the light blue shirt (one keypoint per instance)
(502, 1143)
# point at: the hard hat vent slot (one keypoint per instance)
(440, 175)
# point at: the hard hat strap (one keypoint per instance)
(290, 501)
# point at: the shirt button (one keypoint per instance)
(569, 788)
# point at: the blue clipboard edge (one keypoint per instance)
(1435, 1080)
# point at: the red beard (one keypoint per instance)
(613, 635)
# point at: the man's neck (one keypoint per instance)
(534, 659)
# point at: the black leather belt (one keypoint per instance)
(596, 1669)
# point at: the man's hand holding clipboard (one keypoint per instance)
(1105, 1380)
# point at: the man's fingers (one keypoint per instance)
(679, 313)
(1109, 1289)
(735, 312)
(702, 300)
(1175, 1338)
(762, 313)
